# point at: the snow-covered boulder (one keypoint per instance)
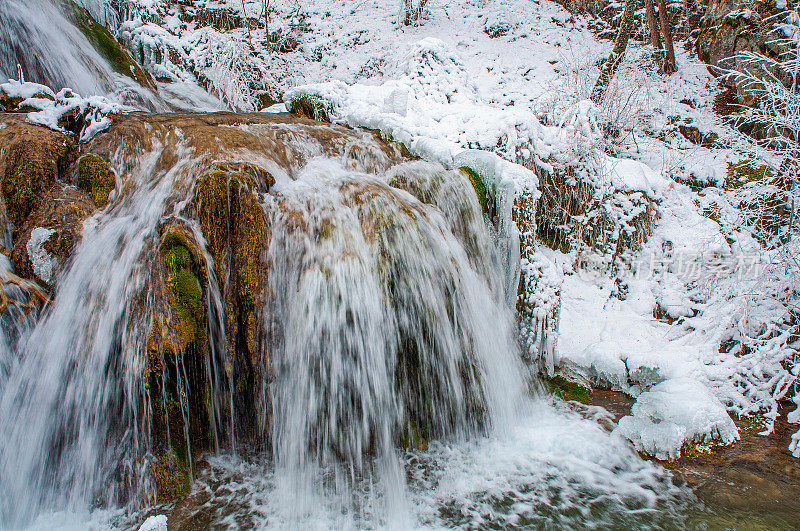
(673, 413)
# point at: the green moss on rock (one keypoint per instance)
(569, 389)
(30, 159)
(177, 258)
(170, 476)
(189, 293)
(96, 177)
(480, 189)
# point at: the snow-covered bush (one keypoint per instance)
(411, 11)
(763, 347)
(232, 73)
(219, 51)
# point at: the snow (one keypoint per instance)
(25, 90)
(41, 260)
(95, 110)
(673, 413)
(275, 109)
(633, 176)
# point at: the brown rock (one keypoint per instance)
(63, 210)
(31, 158)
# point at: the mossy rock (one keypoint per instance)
(746, 171)
(96, 177)
(403, 150)
(567, 388)
(9, 104)
(480, 189)
(106, 45)
(187, 297)
(189, 292)
(30, 160)
(312, 107)
(170, 476)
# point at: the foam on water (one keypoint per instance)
(554, 469)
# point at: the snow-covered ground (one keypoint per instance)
(511, 77)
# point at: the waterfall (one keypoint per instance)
(385, 326)
(286, 324)
(36, 35)
(388, 330)
(68, 408)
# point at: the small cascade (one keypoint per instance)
(295, 300)
(69, 407)
(388, 333)
(62, 55)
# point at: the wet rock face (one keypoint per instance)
(31, 158)
(61, 213)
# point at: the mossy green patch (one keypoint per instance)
(567, 389)
(31, 167)
(177, 258)
(189, 292)
(746, 171)
(480, 189)
(96, 177)
(170, 474)
(185, 274)
(412, 439)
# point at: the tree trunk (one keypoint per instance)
(412, 14)
(266, 24)
(655, 38)
(666, 26)
(609, 68)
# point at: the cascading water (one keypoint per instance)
(69, 404)
(61, 54)
(40, 43)
(387, 333)
(348, 358)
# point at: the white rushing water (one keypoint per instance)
(35, 35)
(384, 323)
(68, 405)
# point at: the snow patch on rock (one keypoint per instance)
(43, 263)
(673, 413)
(156, 522)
